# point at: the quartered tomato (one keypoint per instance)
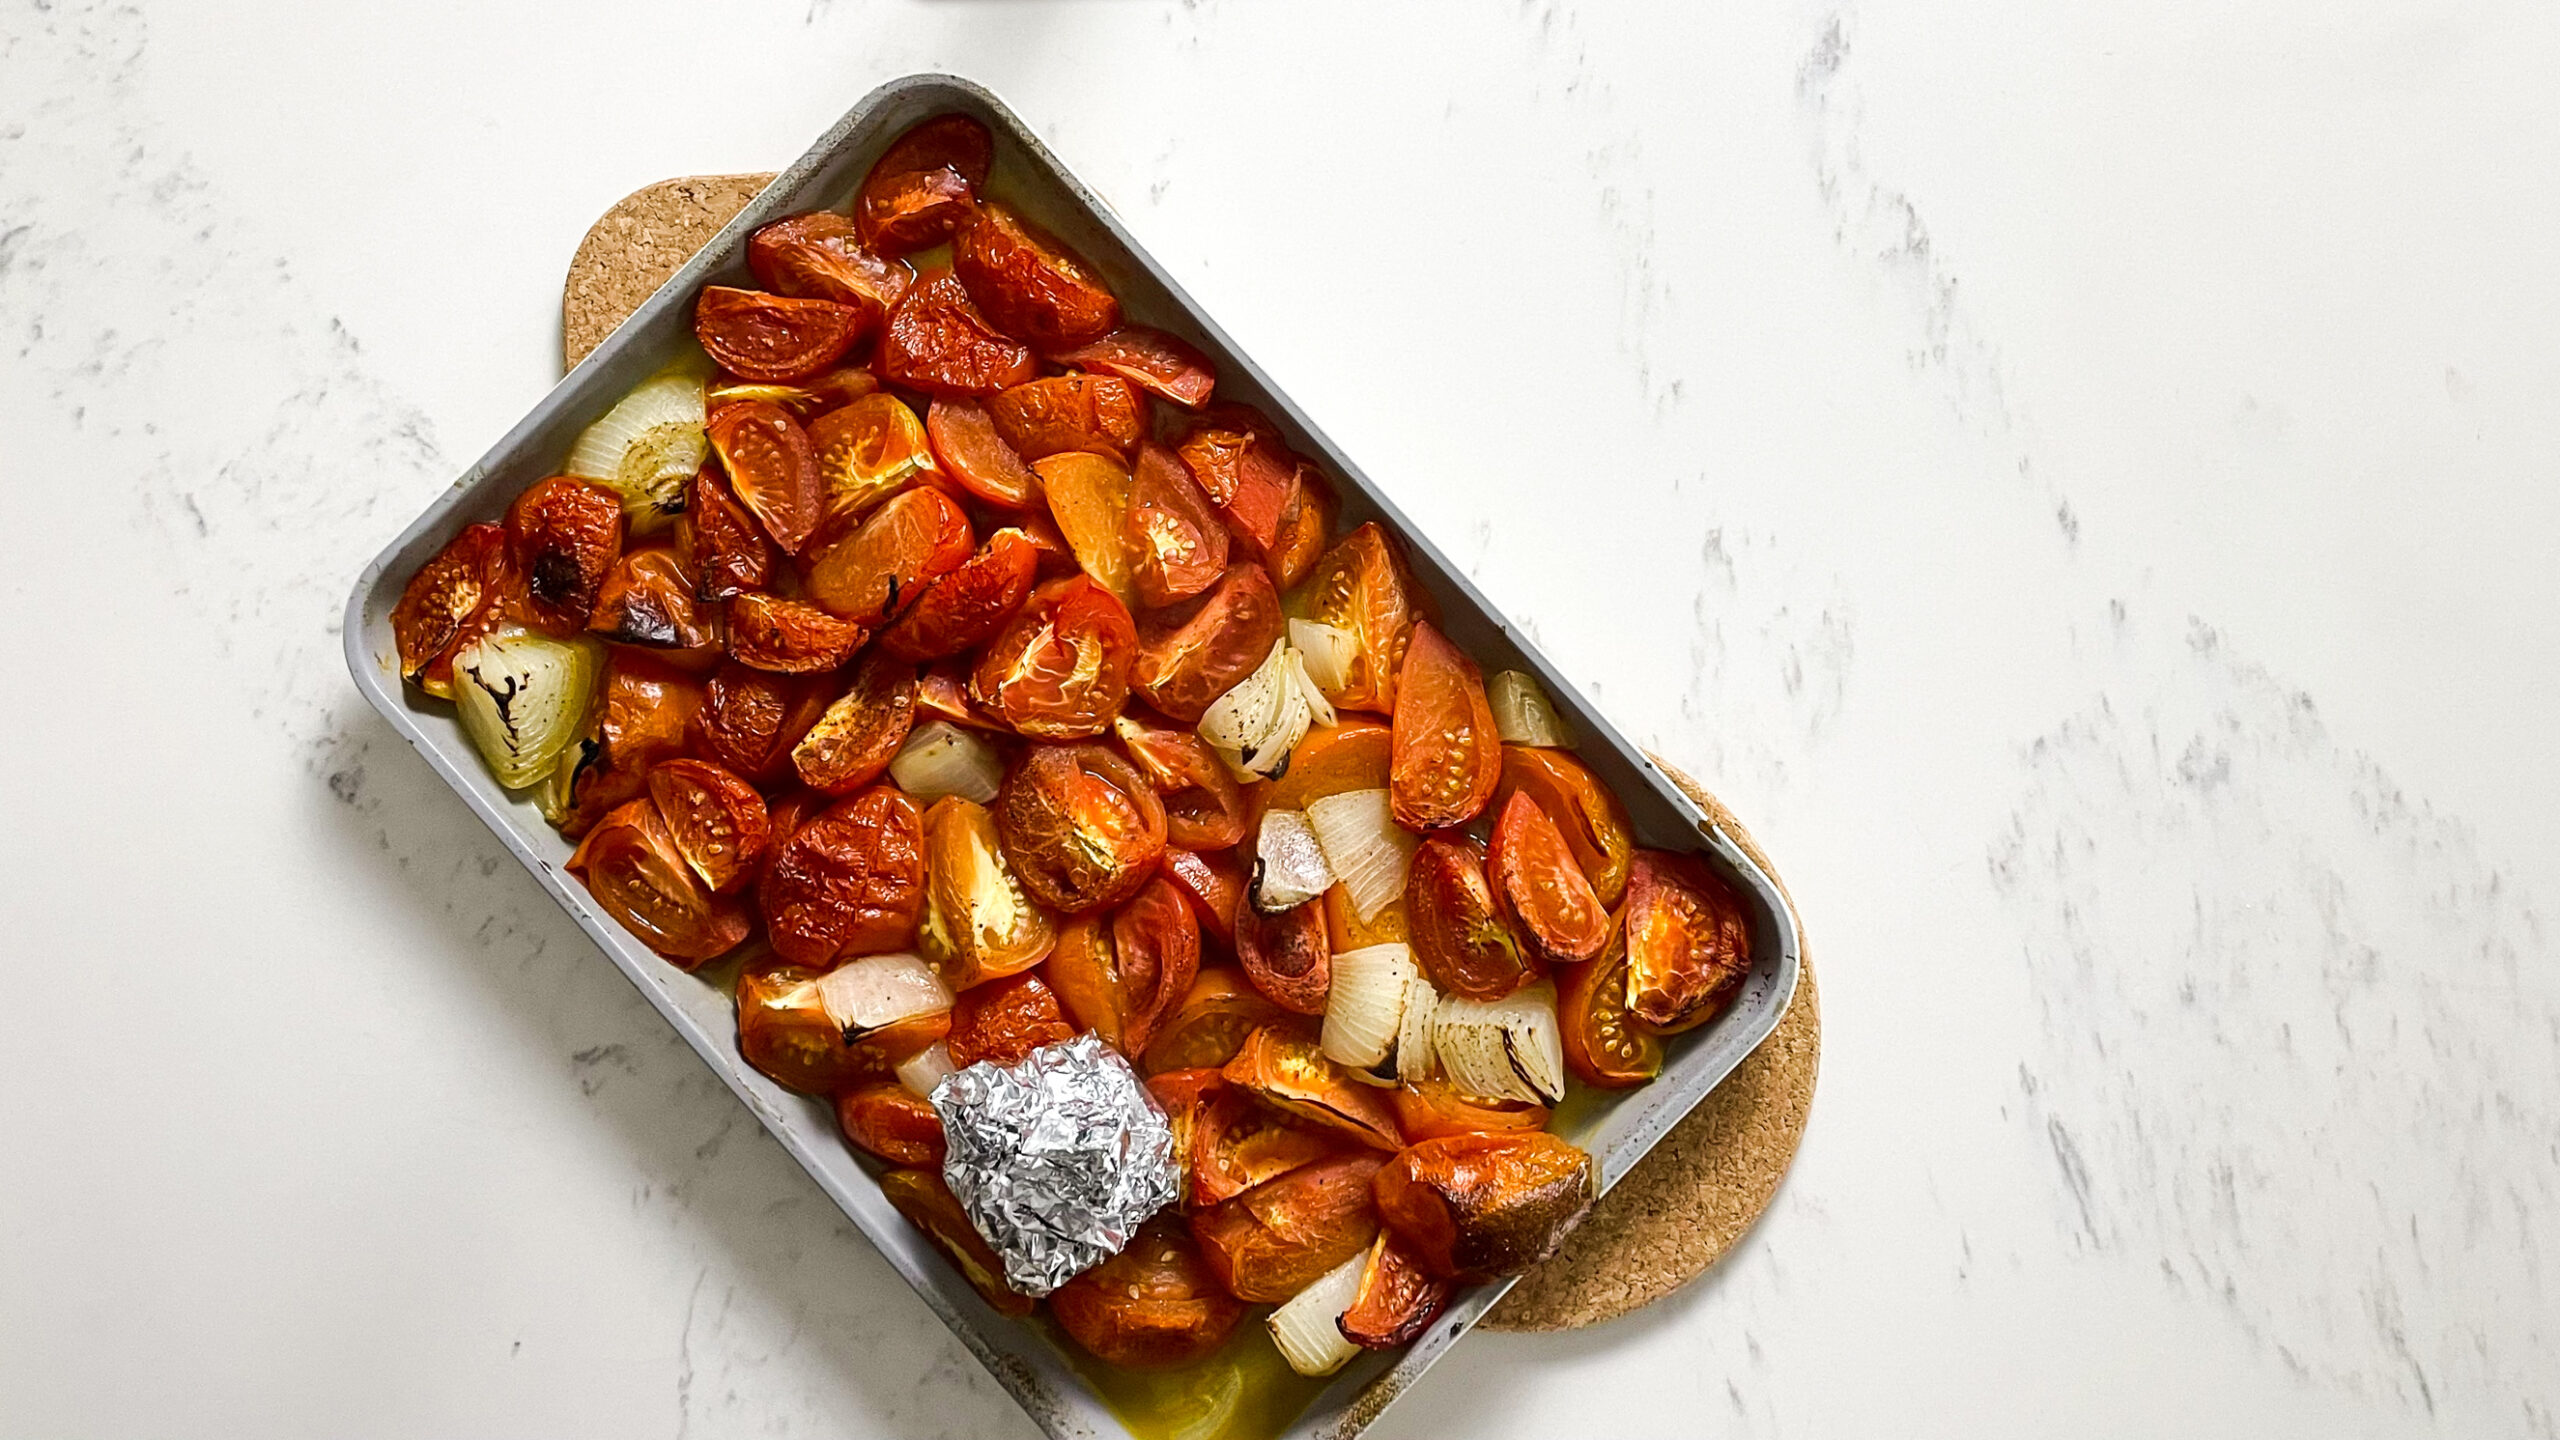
(1084, 970)
(1285, 955)
(635, 872)
(1447, 754)
(964, 439)
(1688, 946)
(1276, 1239)
(892, 1122)
(1156, 940)
(1004, 1021)
(939, 343)
(930, 1206)
(979, 923)
(724, 544)
(451, 601)
(647, 600)
(1333, 760)
(1538, 885)
(1153, 1306)
(1210, 1023)
(1050, 416)
(749, 720)
(962, 609)
(1397, 1299)
(1192, 653)
(1238, 458)
(1458, 936)
(1237, 1143)
(1305, 523)
(1594, 824)
(1284, 1069)
(876, 572)
(849, 882)
(784, 1031)
(718, 820)
(1082, 827)
(1431, 1109)
(807, 396)
(1214, 882)
(922, 187)
(1603, 1045)
(563, 536)
(857, 737)
(774, 337)
(1177, 543)
(1203, 804)
(1030, 285)
(942, 693)
(1088, 497)
(1163, 365)
(867, 451)
(772, 467)
(1361, 585)
(1478, 1207)
(818, 256)
(1060, 669)
(1342, 922)
(789, 637)
(649, 710)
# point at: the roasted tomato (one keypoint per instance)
(789, 637)
(1334, 760)
(1029, 284)
(1283, 1068)
(1274, 1240)
(1237, 1143)
(1203, 804)
(1305, 523)
(1447, 755)
(939, 343)
(979, 923)
(1603, 1045)
(1157, 941)
(1051, 416)
(1361, 585)
(1459, 938)
(1192, 653)
(1082, 827)
(960, 610)
(1431, 1109)
(942, 693)
(1284, 955)
(725, 545)
(814, 395)
(849, 882)
(1060, 669)
(818, 256)
(1084, 970)
(718, 821)
(1248, 473)
(757, 336)
(965, 440)
(1688, 946)
(1537, 884)
(1004, 1021)
(1397, 1300)
(930, 1206)
(1215, 884)
(772, 467)
(1478, 1207)
(1211, 1023)
(1153, 1306)
(635, 872)
(649, 711)
(1163, 365)
(451, 601)
(1088, 496)
(784, 1031)
(563, 536)
(1057, 557)
(867, 452)
(1177, 543)
(857, 737)
(749, 720)
(922, 187)
(873, 574)
(1347, 931)
(892, 1122)
(1594, 824)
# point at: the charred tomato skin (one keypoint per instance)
(563, 536)
(850, 881)
(1478, 1207)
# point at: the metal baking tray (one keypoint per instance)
(1618, 1129)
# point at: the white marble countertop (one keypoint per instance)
(2078, 478)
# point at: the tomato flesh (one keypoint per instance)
(1004, 1021)
(964, 440)
(774, 337)
(858, 735)
(717, 820)
(722, 541)
(1193, 653)
(1688, 944)
(1459, 938)
(1276, 1239)
(1447, 755)
(1153, 1306)
(1540, 887)
(820, 256)
(563, 536)
(1603, 1044)
(772, 467)
(922, 187)
(1397, 1299)
(1178, 543)
(1361, 585)
(848, 882)
(892, 1122)
(873, 574)
(1082, 827)
(451, 601)
(789, 637)
(930, 1206)
(1165, 366)
(979, 923)
(1051, 416)
(1285, 955)
(866, 452)
(961, 610)
(749, 720)
(938, 342)
(1060, 669)
(1203, 804)
(632, 867)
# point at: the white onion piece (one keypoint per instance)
(1364, 1011)
(1416, 1056)
(1247, 715)
(924, 1069)
(1308, 1329)
(943, 759)
(1506, 1049)
(1329, 651)
(1370, 853)
(1319, 709)
(1289, 868)
(864, 994)
(648, 446)
(524, 698)
(1522, 713)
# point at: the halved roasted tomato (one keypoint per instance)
(784, 1031)
(866, 452)
(1082, 827)
(964, 439)
(1431, 1109)
(717, 819)
(635, 872)
(1603, 1045)
(1005, 1020)
(892, 1122)
(1153, 1306)
(1192, 653)
(979, 923)
(922, 187)
(848, 882)
(1459, 938)
(1397, 1299)
(917, 537)
(1537, 884)
(449, 603)
(1177, 542)
(1361, 585)
(939, 343)
(1214, 882)
(1088, 497)
(749, 719)
(1334, 760)
(726, 546)
(857, 737)
(1059, 413)
(1280, 1066)
(1028, 284)
(1285, 955)
(1594, 824)
(789, 637)
(1447, 753)
(962, 609)
(1274, 1240)
(563, 536)
(1163, 365)
(1688, 945)
(1203, 804)
(942, 693)
(1210, 1023)
(1237, 457)
(772, 467)
(774, 337)
(1478, 1207)
(1156, 940)
(1305, 524)
(819, 256)
(930, 1206)
(1237, 1142)
(1060, 669)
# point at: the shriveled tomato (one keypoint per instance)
(1343, 925)
(1084, 970)
(892, 1122)
(636, 874)
(1211, 1022)
(1177, 542)
(1276, 1239)
(1281, 1066)
(1166, 366)
(1215, 884)
(1153, 1306)
(1238, 458)
(1284, 955)
(1538, 885)
(789, 637)
(772, 467)
(848, 882)
(810, 395)
(1030, 285)
(873, 574)
(1594, 824)
(1192, 653)
(1088, 496)
(921, 188)
(1603, 1045)
(979, 923)
(1478, 1207)
(1333, 760)
(649, 710)
(962, 609)
(1082, 827)
(1157, 940)
(749, 720)
(867, 451)
(1688, 945)
(1004, 1021)
(718, 820)
(1045, 417)
(930, 1206)
(450, 602)
(1237, 1143)
(1203, 804)
(647, 600)
(784, 1031)
(938, 342)
(1361, 585)
(1060, 668)
(857, 737)
(725, 545)
(774, 337)
(1459, 938)
(1305, 524)
(1447, 753)
(1397, 1299)
(563, 536)
(1430, 1109)
(818, 256)
(965, 441)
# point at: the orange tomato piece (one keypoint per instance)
(1447, 755)
(1603, 1044)
(1688, 944)
(971, 452)
(1177, 542)
(1431, 1109)
(915, 538)
(859, 734)
(1166, 366)
(923, 187)
(1026, 282)
(1397, 1299)
(866, 452)
(451, 601)
(563, 536)
(632, 867)
(772, 467)
(1284, 1069)
(1334, 760)
(930, 1206)
(1059, 413)
(774, 337)
(1004, 1021)
(892, 1122)
(1210, 1023)
(850, 881)
(1361, 585)
(1459, 938)
(1082, 827)
(717, 820)
(749, 720)
(1538, 885)
(1285, 955)
(979, 923)
(784, 1031)
(724, 544)
(1595, 826)
(1089, 498)
(1274, 1240)
(1153, 1306)
(789, 637)
(1478, 1207)
(964, 608)
(1060, 669)
(820, 256)
(1203, 804)
(1192, 653)
(939, 343)
(1213, 881)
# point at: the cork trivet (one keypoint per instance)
(1685, 1204)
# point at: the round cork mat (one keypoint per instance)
(1685, 1204)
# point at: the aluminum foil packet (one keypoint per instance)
(1057, 1159)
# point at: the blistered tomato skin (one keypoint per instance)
(1082, 827)
(853, 742)
(772, 468)
(563, 536)
(889, 1121)
(647, 600)
(1688, 945)
(1004, 1021)
(923, 186)
(632, 867)
(1274, 1240)
(818, 256)
(1028, 284)
(448, 603)
(1214, 881)
(1284, 1069)
(1192, 653)
(1051, 416)
(757, 336)
(1238, 459)
(938, 342)
(878, 571)
(726, 545)
(1305, 523)
(965, 608)
(848, 882)
(1156, 939)
(749, 720)
(1447, 754)
(1397, 1299)
(1203, 805)
(789, 637)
